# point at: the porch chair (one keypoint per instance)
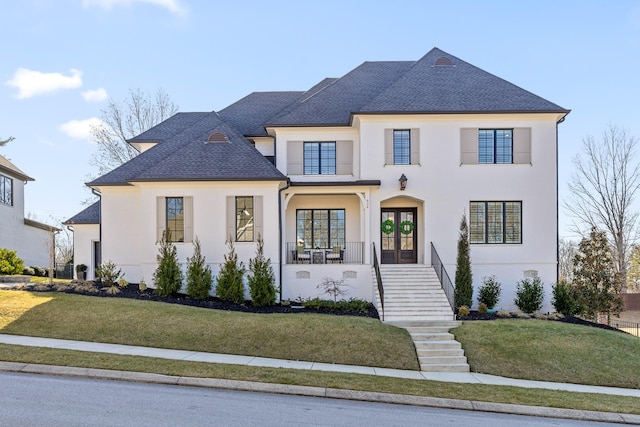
(301, 256)
(335, 254)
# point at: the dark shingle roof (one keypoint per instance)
(249, 114)
(187, 156)
(170, 127)
(459, 87)
(90, 215)
(10, 169)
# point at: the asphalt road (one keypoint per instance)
(40, 400)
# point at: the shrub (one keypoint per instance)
(10, 263)
(463, 311)
(482, 308)
(111, 277)
(230, 286)
(489, 292)
(261, 278)
(463, 293)
(199, 276)
(334, 288)
(168, 276)
(28, 271)
(39, 271)
(353, 305)
(529, 295)
(563, 300)
(142, 286)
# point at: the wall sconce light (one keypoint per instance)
(403, 182)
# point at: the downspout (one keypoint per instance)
(558, 205)
(280, 228)
(97, 193)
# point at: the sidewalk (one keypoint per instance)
(194, 356)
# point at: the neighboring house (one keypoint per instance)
(32, 240)
(392, 154)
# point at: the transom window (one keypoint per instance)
(175, 219)
(244, 219)
(495, 222)
(495, 146)
(320, 158)
(402, 147)
(6, 190)
(320, 228)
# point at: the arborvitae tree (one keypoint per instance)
(464, 281)
(596, 285)
(261, 278)
(199, 276)
(230, 286)
(168, 276)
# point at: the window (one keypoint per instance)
(401, 147)
(319, 158)
(495, 222)
(495, 146)
(244, 219)
(320, 228)
(175, 218)
(6, 190)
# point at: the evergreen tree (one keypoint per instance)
(199, 276)
(230, 286)
(168, 276)
(464, 281)
(596, 285)
(261, 278)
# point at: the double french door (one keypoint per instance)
(398, 236)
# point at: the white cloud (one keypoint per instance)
(95, 95)
(31, 83)
(80, 129)
(174, 6)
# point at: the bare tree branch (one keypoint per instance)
(4, 142)
(122, 121)
(603, 189)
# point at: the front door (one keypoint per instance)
(398, 236)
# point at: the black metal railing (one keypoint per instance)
(376, 268)
(349, 253)
(445, 281)
(628, 327)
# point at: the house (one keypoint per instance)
(381, 163)
(32, 240)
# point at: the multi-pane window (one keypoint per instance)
(495, 222)
(6, 190)
(495, 146)
(402, 147)
(175, 218)
(320, 158)
(244, 219)
(320, 228)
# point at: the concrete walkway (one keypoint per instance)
(194, 356)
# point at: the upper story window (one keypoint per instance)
(175, 218)
(495, 222)
(244, 219)
(495, 146)
(402, 147)
(319, 158)
(6, 190)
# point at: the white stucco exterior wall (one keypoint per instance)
(84, 236)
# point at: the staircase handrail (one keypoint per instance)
(443, 276)
(376, 268)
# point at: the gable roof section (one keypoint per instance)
(170, 127)
(334, 103)
(187, 156)
(90, 215)
(10, 169)
(456, 88)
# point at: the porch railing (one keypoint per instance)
(445, 281)
(350, 253)
(376, 268)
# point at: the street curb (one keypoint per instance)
(367, 396)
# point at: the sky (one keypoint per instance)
(63, 59)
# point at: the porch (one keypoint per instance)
(345, 253)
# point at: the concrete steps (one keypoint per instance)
(415, 301)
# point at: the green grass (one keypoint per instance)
(551, 351)
(477, 392)
(312, 337)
